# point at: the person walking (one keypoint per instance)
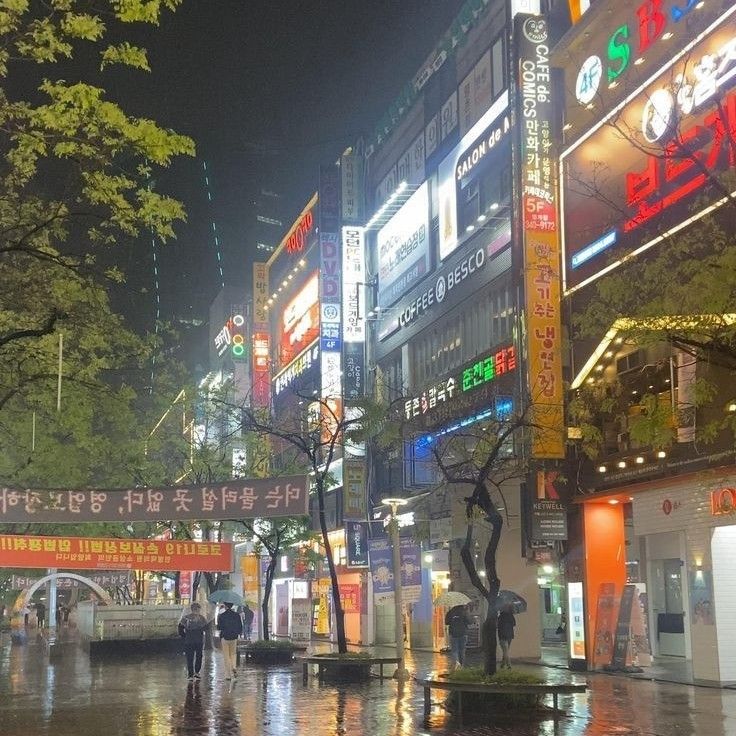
(192, 627)
(457, 621)
(41, 615)
(230, 626)
(248, 616)
(505, 626)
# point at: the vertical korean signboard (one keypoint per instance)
(261, 341)
(353, 309)
(541, 237)
(329, 293)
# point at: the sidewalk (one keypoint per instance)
(149, 695)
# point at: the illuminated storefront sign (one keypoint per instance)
(477, 143)
(541, 241)
(629, 41)
(231, 337)
(260, 295)
(300, 320)
(403, 248)
(444, 284)
(576, 620)
(480, 373)
(297, 368)
(261, 368)
(487, 369)
(666, 163)
(297, 239)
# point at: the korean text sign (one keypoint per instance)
(87, 553)
(541, 238)
(238, 499)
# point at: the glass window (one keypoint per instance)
(498, 67)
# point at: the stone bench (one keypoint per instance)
(323, 662)
(508, 689)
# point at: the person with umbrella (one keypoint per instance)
(457, 621)
(505, 627)
(231, 626)
(192, 627)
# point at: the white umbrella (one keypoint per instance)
(452, 598)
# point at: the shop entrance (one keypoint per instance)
(667, 594)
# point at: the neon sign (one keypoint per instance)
(298, 238)
(651, 24)
(231, 337)
(487, 369)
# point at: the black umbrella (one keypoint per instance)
(509, 598)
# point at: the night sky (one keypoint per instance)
(268, 90)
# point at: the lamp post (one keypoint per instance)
(401, 673)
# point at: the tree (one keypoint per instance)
(482, 458)
(275, 536)
(75, 186)
(311, 433)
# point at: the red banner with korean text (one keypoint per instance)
(541, 236)
(88, 553)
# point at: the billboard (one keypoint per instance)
(650, 167)
(237, 499)
(89, 553)
(403, 248)
(540, 235)
(462, 165)
(299, 322)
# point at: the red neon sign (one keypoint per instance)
(297, 240)
(684, 168)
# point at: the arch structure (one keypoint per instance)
(25, 596)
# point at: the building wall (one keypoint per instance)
(687, 500)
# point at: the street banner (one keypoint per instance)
(249, 567)
(185, 584)
(382, 570)
(88, 553)
(622, 637)
(237, 499)
(356, 541)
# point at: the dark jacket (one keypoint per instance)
(505, 626)
(248, 616)
(230, 625)
(192, 628)
(458, 620)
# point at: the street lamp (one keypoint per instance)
(401, 673)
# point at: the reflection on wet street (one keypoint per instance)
(151, 696)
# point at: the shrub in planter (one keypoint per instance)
(351, 667)
(498, 704)
(271, 651)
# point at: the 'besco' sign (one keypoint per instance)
(445, 283)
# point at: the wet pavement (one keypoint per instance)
(150, 696)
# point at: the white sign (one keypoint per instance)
(589, 80)
(353, 284)
(403, 248)
(449, 237)
(301, 619)
(696, 84)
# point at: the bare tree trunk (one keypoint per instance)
(342, 642)
(270, 570)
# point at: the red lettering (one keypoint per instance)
(651, 23)
(680, 155)
(641, 185)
